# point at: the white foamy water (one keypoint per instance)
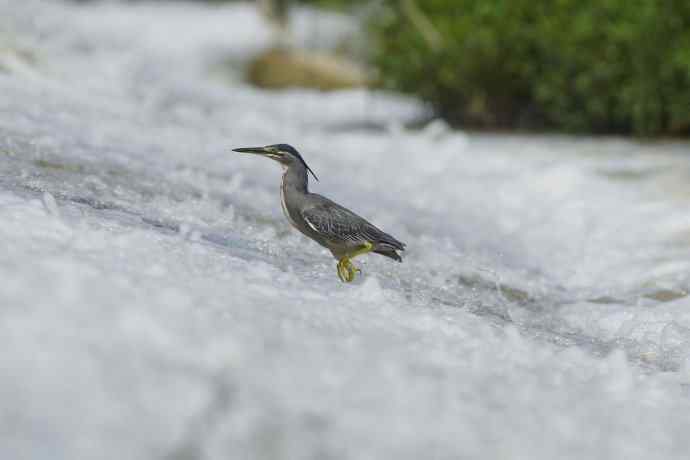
(155, 303)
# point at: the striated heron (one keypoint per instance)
(338, 229)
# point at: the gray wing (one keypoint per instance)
(340, 225)
(336, 224)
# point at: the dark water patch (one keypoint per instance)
(91, 202)
(605, 300)
(630, 175)
(510, 293)
(79, 168)
(366, 126)
(47, 164)
(666, 295)
(161, 224)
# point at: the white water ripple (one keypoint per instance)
(155, 303)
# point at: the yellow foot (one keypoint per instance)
(347, 271)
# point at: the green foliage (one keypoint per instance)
(579, 65)
(334, 4)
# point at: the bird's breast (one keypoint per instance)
(283, 204)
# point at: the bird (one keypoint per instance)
(341, 231)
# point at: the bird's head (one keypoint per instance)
(284, 154)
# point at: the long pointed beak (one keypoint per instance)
(255, 150)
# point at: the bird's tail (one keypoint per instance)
(389, 253)
(388, 246)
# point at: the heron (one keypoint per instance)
(331, 225)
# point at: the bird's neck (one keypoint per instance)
(295, 181)
(293, 188)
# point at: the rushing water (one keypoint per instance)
(155, 303)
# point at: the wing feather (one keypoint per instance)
(335, 223)
(338, 224)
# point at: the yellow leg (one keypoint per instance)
(346, 271)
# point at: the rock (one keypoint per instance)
(281, 68)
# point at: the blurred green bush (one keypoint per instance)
(580, 65)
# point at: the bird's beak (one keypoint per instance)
(255, 150)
